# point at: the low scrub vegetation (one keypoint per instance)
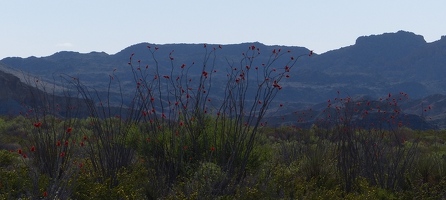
(173, 140)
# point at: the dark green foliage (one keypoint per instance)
(304, 166)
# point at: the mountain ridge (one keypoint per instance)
(375, 65)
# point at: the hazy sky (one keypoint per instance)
(43, 27)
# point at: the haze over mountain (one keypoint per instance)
(374, 66)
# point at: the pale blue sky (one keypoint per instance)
(43, 27)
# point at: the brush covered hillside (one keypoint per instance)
(245, 121)
(374, 66)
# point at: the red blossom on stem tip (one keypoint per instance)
(66, 143)
(25, 156)
(69, 129)
(45, 194)
(33, 149)
(37, 124)
(212, 148)
(19, 151)
(58, 143)
(62, 154)
(85, 137)
(276, 85)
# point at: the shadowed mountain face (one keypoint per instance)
(378, 64)
(20, 96)
(375, 66)
(12, 93)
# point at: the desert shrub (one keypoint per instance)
(14, 176)
(200, 184)
(12, 131)
(370, 142)
(131, 183)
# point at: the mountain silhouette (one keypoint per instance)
(374, 66)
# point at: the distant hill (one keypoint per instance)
(19, 96)
(12, 94)
(374, 66)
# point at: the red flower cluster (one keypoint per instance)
(37, 124)
(276, 85)
(205, 74)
